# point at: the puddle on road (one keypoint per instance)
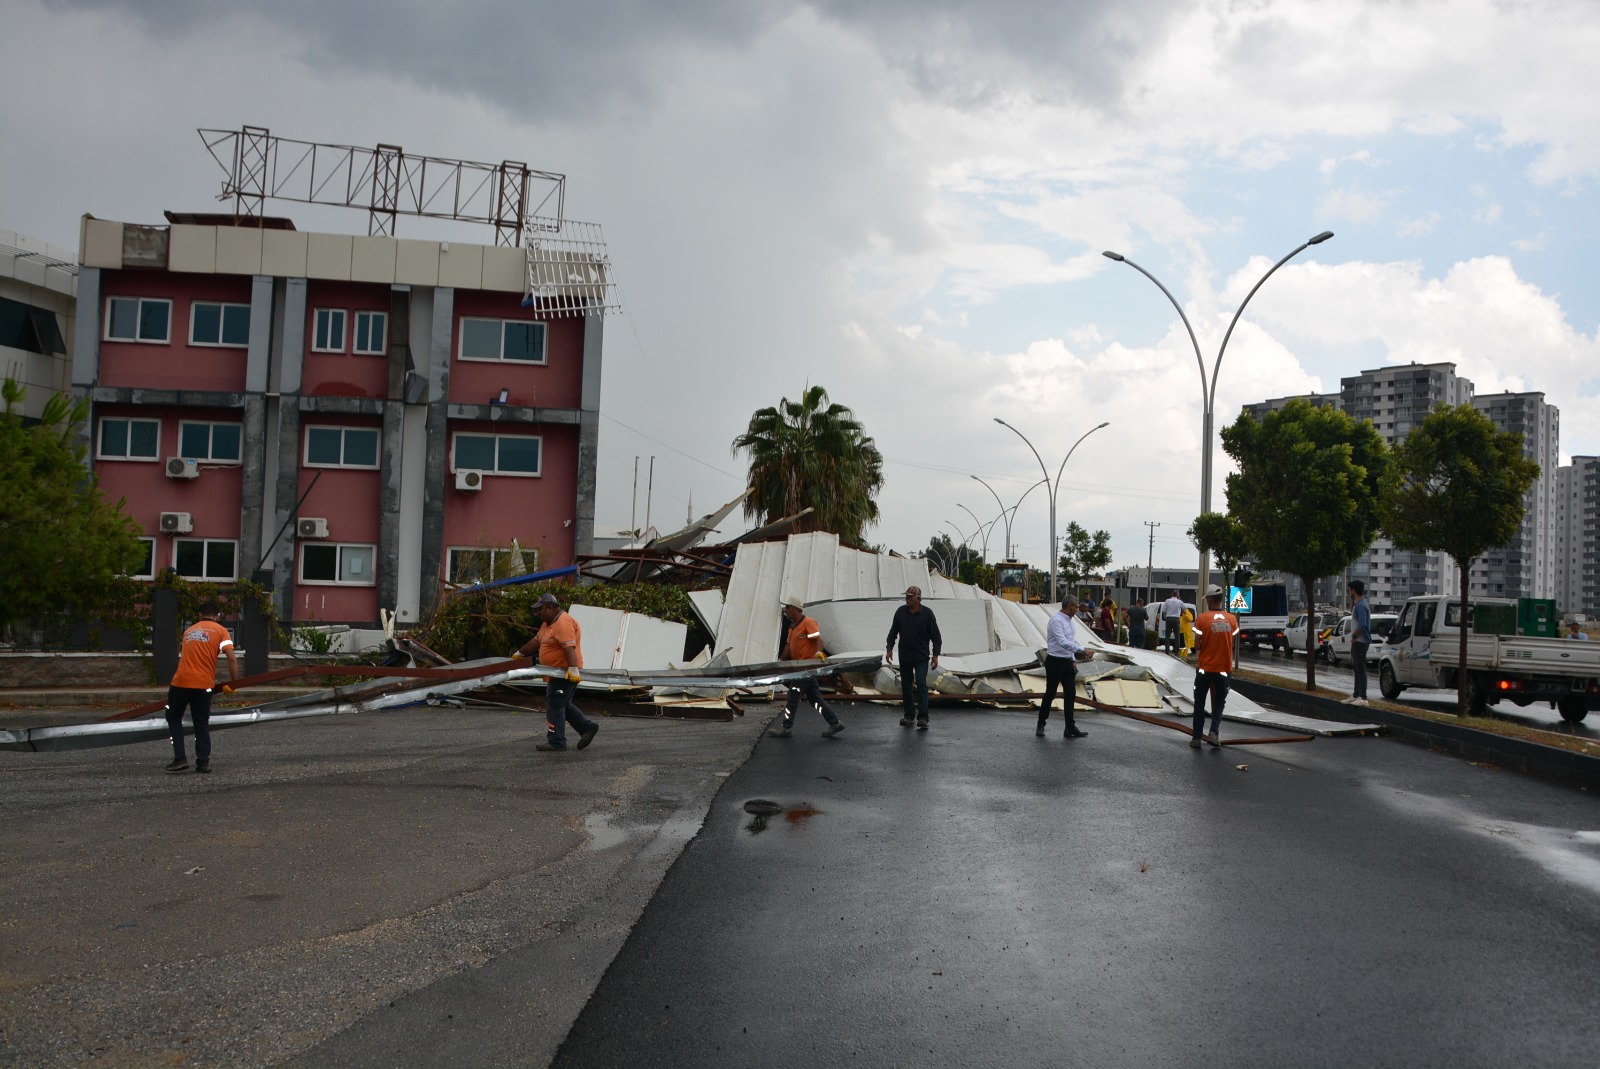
(603, 835)
(762, 811)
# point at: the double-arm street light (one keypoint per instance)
(1007, 514)
(1208, 385)
(983, 528)
(1052, 487)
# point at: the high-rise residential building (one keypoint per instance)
(38, 290)
(1396, 399)
(1526, 567)
(1259, 410)
(1578, 537)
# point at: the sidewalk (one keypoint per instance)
(327, 871)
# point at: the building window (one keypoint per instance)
(502, 339)
(29, 328)
(216, 442)
(209, 559)
(337, 563)
(142, 319)
(372, 333)
(129, 439)
(478, 564)
(146, 568)
(500, 454)
(214, 323)
(327, 335)
(341, 447)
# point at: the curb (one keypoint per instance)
(1552, 762)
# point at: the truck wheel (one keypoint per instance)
(1387, 683)
(1572, 710)
(1333, 656)
(1477, 695)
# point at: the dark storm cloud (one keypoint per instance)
(564, 60)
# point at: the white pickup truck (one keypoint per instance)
(1423, 650)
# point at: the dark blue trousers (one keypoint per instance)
(914, 687)
(198, 704)
(559, 712)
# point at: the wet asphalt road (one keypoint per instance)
(975, 896)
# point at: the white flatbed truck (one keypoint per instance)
(1423, 650)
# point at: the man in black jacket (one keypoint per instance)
(918, 632)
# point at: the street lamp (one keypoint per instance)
(985, 528)
(955, 565)
(1052, 487)
(1208, 386)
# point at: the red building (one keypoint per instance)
(361, 419)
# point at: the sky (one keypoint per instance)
(906, 202)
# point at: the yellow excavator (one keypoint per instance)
(1011, 580)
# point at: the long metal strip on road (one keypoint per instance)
(387, 694)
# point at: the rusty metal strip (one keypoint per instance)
(1280, 738)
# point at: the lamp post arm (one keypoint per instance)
(1002, 505)
(979, 531)
(1211, 397)
(1074, 449)
(1198, 359)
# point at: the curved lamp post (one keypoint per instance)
(1208, 386)
(983, 528)
(1053, 487)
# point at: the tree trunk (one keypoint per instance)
(1311, 635)
(1461, 663)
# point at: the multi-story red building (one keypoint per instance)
(361, 419)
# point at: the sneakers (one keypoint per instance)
(906, 721)
(586, 737)
(1358, 701)
(1074, 733)
(922, 725)
(180, 765)
(1038, 732)
(833, 729)
(780, 733)
(1214, 739)
(546, 747)
(1194, 742)
(202, 767)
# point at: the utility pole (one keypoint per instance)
(1149, 588)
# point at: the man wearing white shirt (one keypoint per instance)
(1062, 653)
(1171, 612)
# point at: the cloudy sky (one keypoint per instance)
(905, 201)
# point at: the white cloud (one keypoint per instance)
(1351, 204)
(1420, 226)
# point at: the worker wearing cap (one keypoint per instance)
(920, 642)
(1214, 632)
(193, 682)
(804, 644)
(560, 645)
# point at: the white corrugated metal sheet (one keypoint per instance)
(753, 610)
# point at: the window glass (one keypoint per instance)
(519, 455)
(124, 319)
(226, 439)
(194, 441)
(144, 437)
(361, 447)
(475, 451)
(113, 437)
(189, 558)
(219, 560)
(524, 341)
(319, 563)
(207, 327)
(1425, 614)
(153, 320)
(480, 339)
(146, 569)
(236, 324)
(355, 564)
(324, 445)
(371, 328)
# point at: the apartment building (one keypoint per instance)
(353, 420)
(38, 290)
(1578, 537)
(1527, 566)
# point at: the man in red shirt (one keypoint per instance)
(192, 684)
(1214, 631)
(560, 645)
(805, 644)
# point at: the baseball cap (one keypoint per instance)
(1213, 591)
(546, 599)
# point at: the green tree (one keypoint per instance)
(811, 454)
(1306, 492)
(61, 541)
(1222, 536)
(1082, 554)
(948, 556)
(1457, 486)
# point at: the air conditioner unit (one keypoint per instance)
(469, 480)
(176, 523)
(312, 527)
(182, 468)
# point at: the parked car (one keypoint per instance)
(1295, 633)
(1339, 641)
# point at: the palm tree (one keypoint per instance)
(809, 453)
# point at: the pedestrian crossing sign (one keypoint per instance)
(1239, 598)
